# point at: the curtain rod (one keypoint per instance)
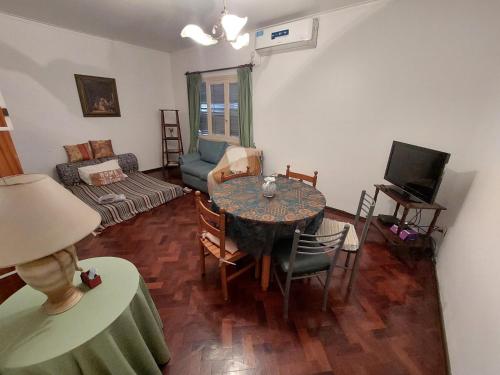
(218, 70)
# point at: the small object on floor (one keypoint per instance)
(187, 190)
(91, 278)
(111, 198)
(405, 234)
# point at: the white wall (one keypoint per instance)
(37, 64)
(425, 72)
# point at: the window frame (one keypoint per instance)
(226, 80)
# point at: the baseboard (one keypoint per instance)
(152, 170)
(443, 328)
(339, 212)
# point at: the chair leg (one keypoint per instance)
(286, 297)
(202, 260)
(354, 271)
(347, 259)
(223, 281)
(257, 268)
(326, 289)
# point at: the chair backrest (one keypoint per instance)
(225, 177)
(366, 206)
(314, 245)
(302, 177)
(211, 222)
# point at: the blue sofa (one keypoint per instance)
(196, 166)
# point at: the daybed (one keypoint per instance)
(142, 192)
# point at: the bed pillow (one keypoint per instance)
(102, 173)
(102, 149)
(79, 152)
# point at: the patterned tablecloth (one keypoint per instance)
(256, 222)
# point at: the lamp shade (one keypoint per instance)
(39, 217)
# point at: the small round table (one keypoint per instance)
(256, 222)
(114, 329)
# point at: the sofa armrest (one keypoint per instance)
(188, 158)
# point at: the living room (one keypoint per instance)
(422, 73)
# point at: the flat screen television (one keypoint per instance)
(416, 170)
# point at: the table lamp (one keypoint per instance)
(39, 222)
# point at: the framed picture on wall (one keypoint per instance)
(98, 96)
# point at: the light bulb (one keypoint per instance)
(196, 33)
(241, 41)
(232, 25)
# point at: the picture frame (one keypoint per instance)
(98, 96)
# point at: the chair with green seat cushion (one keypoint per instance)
(307, 256)
(353, 244)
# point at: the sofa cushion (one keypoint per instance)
(211, 151)
(198, 168)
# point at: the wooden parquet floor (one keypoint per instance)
(388, 325)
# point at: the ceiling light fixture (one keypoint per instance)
(228, 26)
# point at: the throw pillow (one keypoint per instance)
(231, 246)
(93, 174)
(211, 151)
(107, 177)
(102, 149)
(78, 152)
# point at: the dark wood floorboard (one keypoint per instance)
(389, 325)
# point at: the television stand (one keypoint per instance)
(404, 201)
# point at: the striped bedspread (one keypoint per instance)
(142, 191)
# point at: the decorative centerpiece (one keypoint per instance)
(269, 187)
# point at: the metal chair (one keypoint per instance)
(302, 177)
(309, 256)
(353, 244)
(225, 178)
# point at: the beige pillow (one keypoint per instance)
(230, 244)
(102, 173)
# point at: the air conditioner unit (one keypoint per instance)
(288, 36)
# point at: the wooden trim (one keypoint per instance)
(3, 113)
(159, 169)
(9, 161)
(443, 328)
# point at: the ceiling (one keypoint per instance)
(157, 23)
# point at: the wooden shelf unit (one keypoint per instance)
(424, 241)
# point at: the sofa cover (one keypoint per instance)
(142, 191)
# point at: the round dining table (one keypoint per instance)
(256, 222)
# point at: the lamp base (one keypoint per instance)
(53, 276)
(57, 307)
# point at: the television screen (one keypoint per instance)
(416, 170)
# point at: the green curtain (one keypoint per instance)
(245, 107)
(193, 90)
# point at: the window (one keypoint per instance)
(219, 114)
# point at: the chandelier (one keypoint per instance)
(227, 27)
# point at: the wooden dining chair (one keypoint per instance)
(225, 177)
(213, 241)
(302, 177)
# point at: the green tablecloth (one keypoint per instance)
(114, 329)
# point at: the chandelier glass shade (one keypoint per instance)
(228, 27)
